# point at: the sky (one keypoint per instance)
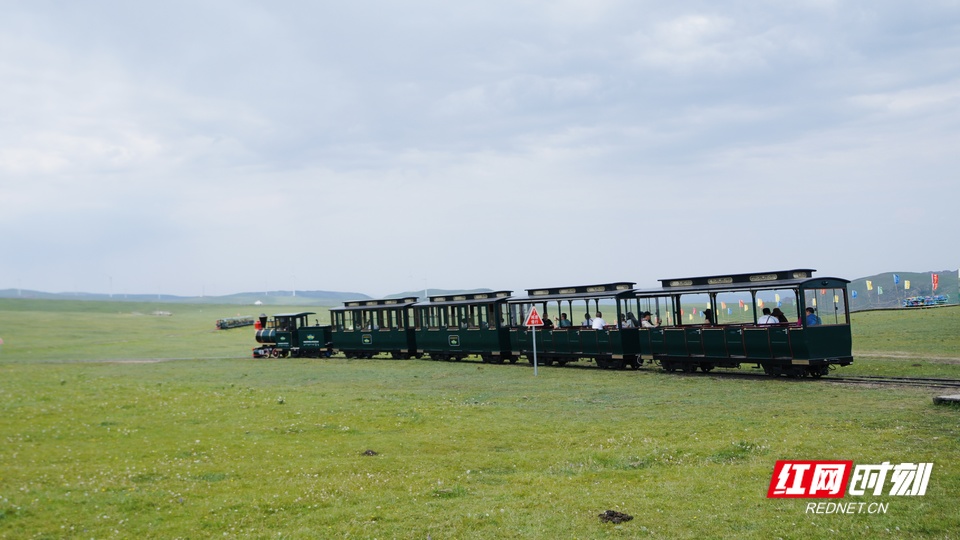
(215, 147)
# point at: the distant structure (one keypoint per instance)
(926, 301)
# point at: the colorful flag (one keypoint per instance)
(776, 297)
(759, 303)
(853, 294)
(906, 285)
(741, 303)
(879, 290)
(814, 302)
(869, 285)
(836, 299)
(936, 281)
(729, 311)
(896, 279)
(723, 305)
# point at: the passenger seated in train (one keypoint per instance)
(645, 321)
(781, 318)
(708, 317)
(564, 321)
(587, 321)
(632, 321)
(812, 319)
(598, 322)
(547, 323)
(626, 322)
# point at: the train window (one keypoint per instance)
(783, 299)
(829, 305)
(693, 308)
(734, 307)
(660, 308)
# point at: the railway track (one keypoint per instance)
(878, 380)
(926, 382)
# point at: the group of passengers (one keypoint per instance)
(775, 316)
(772, 317)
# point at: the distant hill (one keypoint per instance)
(884, 293)
(268, 298)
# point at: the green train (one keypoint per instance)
(783, 322)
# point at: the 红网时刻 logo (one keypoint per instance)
(825, 479)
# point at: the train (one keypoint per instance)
(687, 324)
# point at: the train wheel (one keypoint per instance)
(513, 360)
(689, 367)
(706, 367)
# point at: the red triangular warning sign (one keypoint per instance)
(533, 319)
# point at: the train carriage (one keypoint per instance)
(452, 327)
(366, 328)
(713, 321)
(612, 346)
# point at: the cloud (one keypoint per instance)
(373, 145)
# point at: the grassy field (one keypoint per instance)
(216, 444)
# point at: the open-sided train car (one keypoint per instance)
(568, 339)
(713, 321)
(365, 328)
(452, 327)
(291, 334)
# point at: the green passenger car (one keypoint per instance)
(366, 328)
(453, 327)
(567, 337)
(719, 321)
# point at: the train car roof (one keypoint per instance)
(602, 290)
(383, 303)
(466, 299)
(301, 314)
(782, 279)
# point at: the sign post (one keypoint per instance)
(533, 321)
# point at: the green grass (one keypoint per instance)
(914, 343)
(226, 446)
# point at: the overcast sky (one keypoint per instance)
(214, 147)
